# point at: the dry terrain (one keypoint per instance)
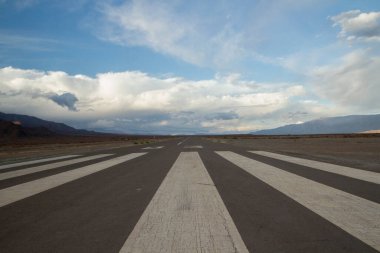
(35, 147)
(355, 150)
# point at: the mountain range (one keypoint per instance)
(331, 125)
(17, 125)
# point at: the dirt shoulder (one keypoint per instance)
(358, 151)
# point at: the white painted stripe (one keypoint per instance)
(21, 191)
(49, 166)
(157, 147)
(357, 216)
(186, 214)
(179, 143)
(12, 165)
(195, 146)
(364, 175)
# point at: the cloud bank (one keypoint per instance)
(136, 102)
(352, 82)
(133, 101)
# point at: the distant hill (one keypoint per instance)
(24, 125)
(371, 132)
(9, 130)
(332, 125)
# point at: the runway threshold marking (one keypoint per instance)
(357, 216)
(21, 191)
(49, 166)
(12, 165)
(186, 214)
(157, 147)
(364, 175)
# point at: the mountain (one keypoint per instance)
(11, 130)
(332, 125)
(32, 126)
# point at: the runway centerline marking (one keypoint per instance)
(364, 175)
(21, 191)
(12, 165)
(186, 214)
(22, 172)
(357, 216)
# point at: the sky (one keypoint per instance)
(189, 67)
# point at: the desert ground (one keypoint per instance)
(355, 150)
(35, 147)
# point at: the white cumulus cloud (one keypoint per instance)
(358, 25)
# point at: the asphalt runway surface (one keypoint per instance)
(187, 195)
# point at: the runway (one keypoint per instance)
(187, 195)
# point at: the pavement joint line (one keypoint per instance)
(369, 176)
(355, 215)
(183, 217)
(12, 165)
(31, 170)
(24, 190)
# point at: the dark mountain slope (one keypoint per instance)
(26, 121)
(332, 125)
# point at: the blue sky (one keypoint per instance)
(189, 66)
